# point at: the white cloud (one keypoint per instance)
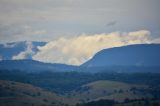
(77, 50)
(26, 53)
(9, 45)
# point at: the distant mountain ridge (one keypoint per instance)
(34, 66)
(132, 55)
(132, 58)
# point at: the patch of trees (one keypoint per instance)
(140, 102)
(64, 82)
(127, 102)
(98, 103)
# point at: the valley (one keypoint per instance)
(101, 81)
(73, 88)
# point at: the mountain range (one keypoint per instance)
(132, 55)
(34, 66)
(139, 57)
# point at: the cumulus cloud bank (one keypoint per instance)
(77, 50)
(25, 54)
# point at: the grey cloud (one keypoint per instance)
(80, 16)
(112, 23)
(12, 33)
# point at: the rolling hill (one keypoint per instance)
(20, 94)
(110, 90)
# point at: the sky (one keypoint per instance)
(76, 25)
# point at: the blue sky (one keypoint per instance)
(72, 26)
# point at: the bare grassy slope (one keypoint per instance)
(105, 89)
(20, 94)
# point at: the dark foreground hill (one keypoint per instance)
(91, 94)
(20, 94)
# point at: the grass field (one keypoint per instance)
(105, 89)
